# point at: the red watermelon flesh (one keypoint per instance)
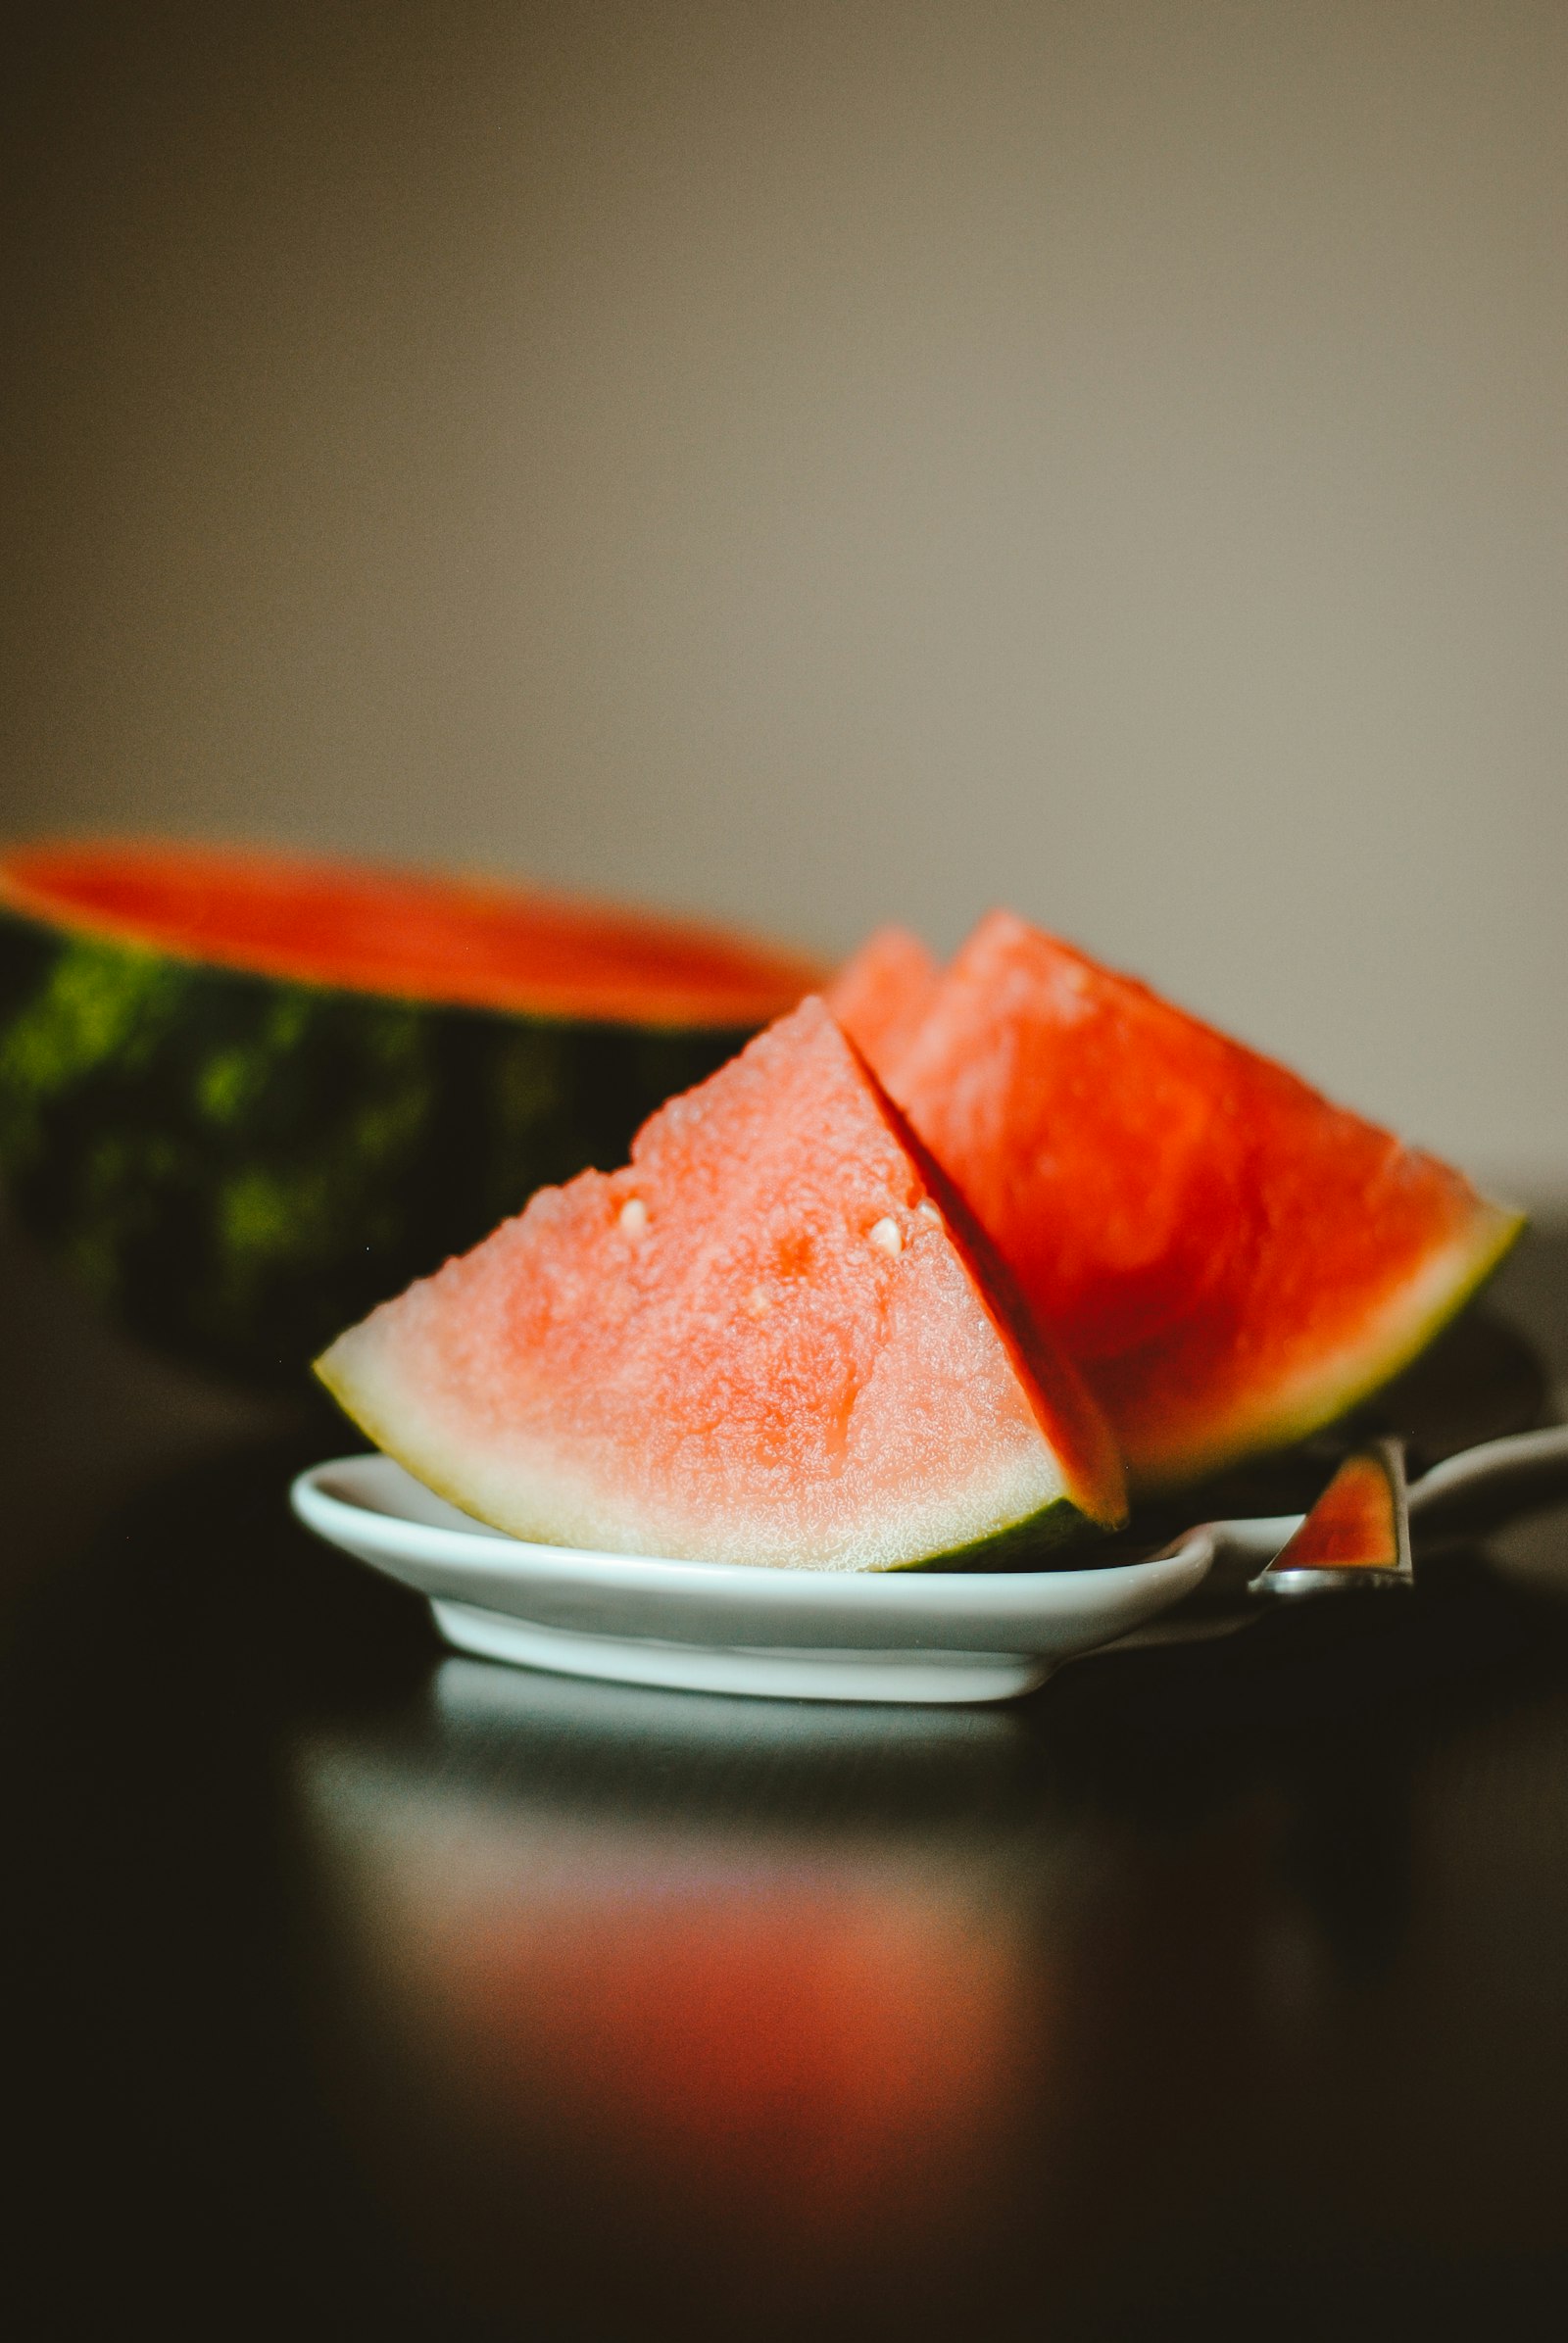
(403, 933)
(1354, 1524)
(880, 996)
(1229, 1258)
(767, 1339)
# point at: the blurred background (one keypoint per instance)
(820, 463)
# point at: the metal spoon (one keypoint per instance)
(1467, 1496)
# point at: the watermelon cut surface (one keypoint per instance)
(1230, 1259)
(769, 1339)
(401, 934)
(245, 1095)
(1354, 1524)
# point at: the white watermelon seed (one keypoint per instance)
(888, 1234)
(932, 1210)
(633, 1215)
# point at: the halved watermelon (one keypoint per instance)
(246, 1094)
(1230, 1259)
(769, 1340)
(880, 996)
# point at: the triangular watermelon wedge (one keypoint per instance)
(883, 991)
(1230, 1259)
(771, 1339)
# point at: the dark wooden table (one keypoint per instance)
(357, 1990)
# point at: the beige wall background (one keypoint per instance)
(816, 464)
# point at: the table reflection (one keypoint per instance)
(884, 2008)
(776, 1969)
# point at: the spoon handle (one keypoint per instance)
(1485, 1487)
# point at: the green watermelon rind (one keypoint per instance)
(1054, 1527)
(1402, 1330)
(239, 1166)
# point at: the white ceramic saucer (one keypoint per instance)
(919, 1636)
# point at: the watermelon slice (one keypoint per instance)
(771, 1339)
(880, 996)
(1230, 1259)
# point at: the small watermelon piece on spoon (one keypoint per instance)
(773, 1338)
(1357, 1535)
